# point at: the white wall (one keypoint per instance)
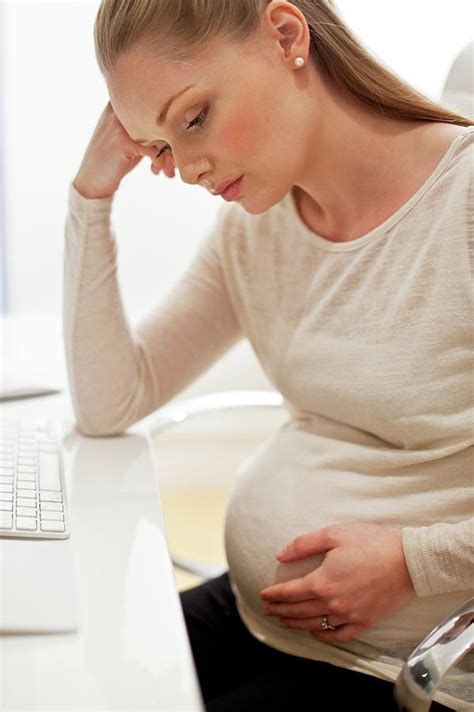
(54, 95)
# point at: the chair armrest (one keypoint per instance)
(202, 569)
(185, 409)
(180, 410)
(431, 660)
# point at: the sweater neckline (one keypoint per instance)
(330, 246)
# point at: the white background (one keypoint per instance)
(54, 96)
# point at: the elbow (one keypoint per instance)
(98, 432)
(97, 427)
(108, 414)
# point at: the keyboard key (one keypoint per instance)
(31, 461)
(50, 496)
(22, 477)
(51, 507)
(4, 480)
(6, 520)
(51, 516)
(26, 468)
(5, 497)
(23, 502)
(25, 523)
(6, 488)
(27, 451)
(6, 506)
(26, 511)
(26, 485)
(25, 493)
(49, 471)
(52, 526)
(7, 450)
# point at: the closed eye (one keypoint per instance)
(198, 122)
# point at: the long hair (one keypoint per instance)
(180, 29)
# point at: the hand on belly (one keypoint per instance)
(362, 578)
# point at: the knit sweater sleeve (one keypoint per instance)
(119, 374)
(440, 557)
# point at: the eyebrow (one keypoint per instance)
(162, 117)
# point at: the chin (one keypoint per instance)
(261, 202)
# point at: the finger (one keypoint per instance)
(313, 623)
(295, 590)
(341, 634)
(169, 169)
(170, 163)
(163, 163)
(317, 542)
(302, 609)
(158, 166)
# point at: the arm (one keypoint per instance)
(440, 557)
(117, 375)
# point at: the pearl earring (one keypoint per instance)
(299, 61)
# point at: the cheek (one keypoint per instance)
(240, 134)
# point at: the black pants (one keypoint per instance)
(238, 673)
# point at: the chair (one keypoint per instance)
(458, 90)
(447, 643)
(434, 656)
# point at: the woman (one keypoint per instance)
(344, 257)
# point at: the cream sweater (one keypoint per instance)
(371, 344)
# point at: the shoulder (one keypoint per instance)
(451, 139)
(462, 139)
(458, 166)
(445, 134)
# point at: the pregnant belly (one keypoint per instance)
(272, 502)
(277, 497)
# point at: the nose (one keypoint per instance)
(194, 173)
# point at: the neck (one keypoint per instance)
(358, 162)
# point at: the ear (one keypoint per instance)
(287, 25)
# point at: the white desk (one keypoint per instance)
(131, 651)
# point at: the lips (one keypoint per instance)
(219, 189)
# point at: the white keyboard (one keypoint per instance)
(32, 488)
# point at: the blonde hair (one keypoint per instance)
(180, 29)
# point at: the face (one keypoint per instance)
(246, 113)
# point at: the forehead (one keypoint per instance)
(138, 74)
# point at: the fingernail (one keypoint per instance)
(282, 553)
